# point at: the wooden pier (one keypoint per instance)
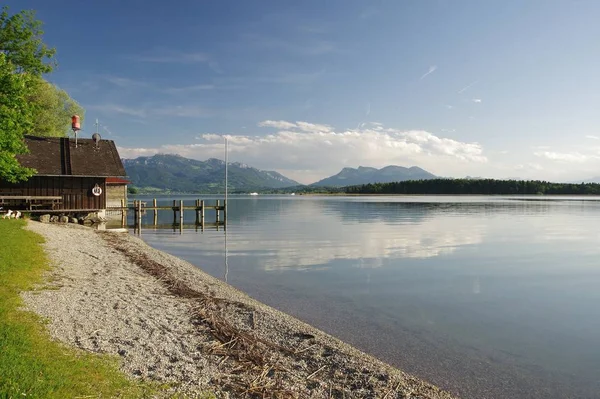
(140, 208)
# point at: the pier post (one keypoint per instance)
(139, 215)
(123, 218)
(181, 215)
(225, 214)
(174, 212)
(197, 212)
(202, 214)
(155, 212)
(217, 212)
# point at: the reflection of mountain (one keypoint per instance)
(313, 233)
(370, 244)
(280, 233)
(407, 212)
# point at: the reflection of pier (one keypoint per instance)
(140, 208)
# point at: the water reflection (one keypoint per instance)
(226, 274)
(356, 236)
(490, 291)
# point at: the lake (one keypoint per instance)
(488, 297)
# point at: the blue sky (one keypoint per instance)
(480, 88)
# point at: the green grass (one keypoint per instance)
(31, 364)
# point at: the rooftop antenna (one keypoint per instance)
(76, 126)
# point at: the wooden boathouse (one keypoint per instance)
(83, 176)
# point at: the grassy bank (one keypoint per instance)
(31, 364)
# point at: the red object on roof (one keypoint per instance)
(117, 180)
(75, 124)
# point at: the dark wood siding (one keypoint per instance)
(75, 191)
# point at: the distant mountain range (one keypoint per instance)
(592, 180)
(178, 174)
(174, 173)
(366, 175)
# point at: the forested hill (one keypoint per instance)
(174, 173)
(476, 186)
(365, 175)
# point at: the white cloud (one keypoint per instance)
(311, 127)
(189, 111)
(277, 124)
(130, 84)
(477, 100)
(531, 166)
(309, 152)
(130, 153)
(592, 137)
(303, 48)
(126, 83)
(467, 87)
(304, 126)
(431, 70)
(535, 166)
(188, 89)
(562, 156)
(118, 109)
(165, 56)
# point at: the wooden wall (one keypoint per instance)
(76, 191)
(115, 193)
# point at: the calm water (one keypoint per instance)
(488, 297)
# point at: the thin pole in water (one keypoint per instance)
(226, 165)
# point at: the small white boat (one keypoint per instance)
(253, 193)
(293, 194)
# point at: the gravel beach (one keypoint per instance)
(171, 322)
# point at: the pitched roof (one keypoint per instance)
(58, 156)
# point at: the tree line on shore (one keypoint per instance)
(476, 186)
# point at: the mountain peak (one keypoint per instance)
(365, 175)
(179, 174)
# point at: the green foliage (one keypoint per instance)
(476, 186)
(16, 119)
(132, 190)
(25, 97)
(52, 109)
(21, 42)
(31, 364)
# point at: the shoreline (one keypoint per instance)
(171, 322)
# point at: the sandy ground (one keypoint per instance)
(171, 322)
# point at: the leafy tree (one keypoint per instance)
(132, 190)
(16, 119)
(52, 109)
(21, 42)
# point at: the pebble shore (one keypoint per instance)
(170, 322)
